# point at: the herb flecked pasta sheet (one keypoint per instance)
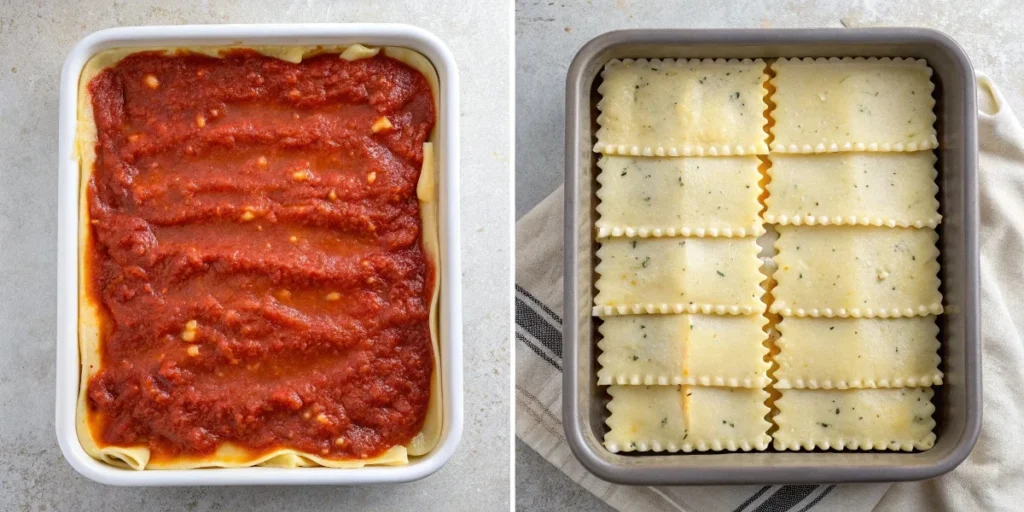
(866, 419)
(857, 353)
(879, 189)
(852, 104)
(686, 418)
(719, 350)
(679, 107)
(685, 196)
(664, 275)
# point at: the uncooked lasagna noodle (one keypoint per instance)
(862, 419)
(92, 330)
(878, 189)
(676, 275)
(682, 107)
(852, 104)
(687, 196)
(857, 353)
(686, 418)
(709, 350)
(856, 271)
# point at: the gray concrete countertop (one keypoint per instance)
(550, 32)
(35, 37)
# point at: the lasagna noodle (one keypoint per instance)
(229, 455)
(682, 107)
(862, 419)
(713, 196)
(857, 353)
(856, 271)
(852, 104)
(879, 189)
(675, 275)
(686, 418)
(719, 350)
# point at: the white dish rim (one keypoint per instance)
(450, 311)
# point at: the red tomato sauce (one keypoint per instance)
(257, 255)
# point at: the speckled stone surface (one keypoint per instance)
(34, 39)
(550, 32)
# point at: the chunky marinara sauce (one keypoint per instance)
(257, 254)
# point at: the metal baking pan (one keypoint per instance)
(957, 401)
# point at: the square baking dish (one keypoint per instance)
(450, 311)
(958, 400)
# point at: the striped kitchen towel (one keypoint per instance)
(539, 395)
(988, 480)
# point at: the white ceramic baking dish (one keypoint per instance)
(68, 366)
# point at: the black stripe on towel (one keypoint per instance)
(752, 498)
(785, 498)
(537, 350)
(546, 309)
(820, 496)
(540, 328)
